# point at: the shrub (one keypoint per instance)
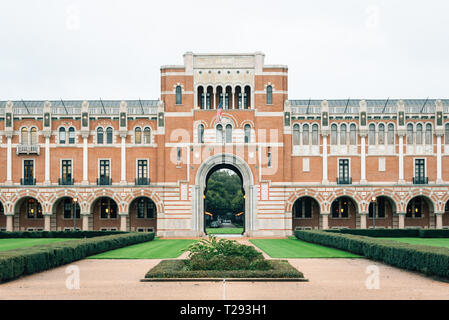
(426, 259)
(57, 234)
(432, 233)
(379, 233)
(24, 261)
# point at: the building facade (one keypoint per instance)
(143, 165)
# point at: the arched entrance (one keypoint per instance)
(420, 213)
(211, 165)
(105, 215)
(384, 213)
(142, 215)
(306, 213)
(2, 218)
(28, 215)
(66, 215)
(343, 213)
(224, 201)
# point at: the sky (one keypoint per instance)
(113, 49)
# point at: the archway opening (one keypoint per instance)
(224, 201)
(419, 213)
(105, 215)
(2, 218)
(66, 214)
(382, 213)
(306, 214)
(28, 215)
(343, 213)
(142, 215)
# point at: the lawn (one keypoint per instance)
(224, 230)
(294, 248)
(436, 242)
(156, 249)
(16, 243)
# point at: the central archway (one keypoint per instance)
(243, 170)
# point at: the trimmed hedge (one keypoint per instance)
(429, 233)
(178, 269)
(429, 260)
(25, 261)
(57, 234)
(380, 233)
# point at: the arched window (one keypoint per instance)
(62, 135)
(109, 135)
(138, 135)
(305, 135)
(247, 133)
(147, 135)
(228, 133)
(24, 135)
(381, 134)
(372, 134)
(269, 95)
(429, 134)
(219, 133)
(390, 134)
(178, 95)
(100, 135)
(315, 135)
(296, 134)
(353, 134)
(71, 135)
(201, 133)
(343, 134)
(419, 133)
(410, 134)
(334, 134)
(446, 134)
(33, 136)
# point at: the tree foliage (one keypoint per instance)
(224, 193)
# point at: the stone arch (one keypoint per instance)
(380, 193)
(248, 186)
(94, 196)
(352, 194)
(422, 192)
(303, 193)
(70, 193)
(32, 194)
(130, 197)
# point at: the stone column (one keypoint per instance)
(47, 161)
(213, 97)
(325, 217)
(439, 217)
(325, 180)
(9, 162)
(85, 217)
(9, 222)
(439, 160)
(401, 220)
(47, 219)
(123, 224)
(401, 159)
(363, 220)
(85, 162)
(231, 98)
(363, 159)
(123, 160)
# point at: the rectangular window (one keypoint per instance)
(269, 157)
(66, 173)
(142, 169)
(28, 172)
(419, 170)
(105, 172)
(343, 170)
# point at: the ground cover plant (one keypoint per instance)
(294, 248)
(212, 231)
(157, 249)
(213, 258)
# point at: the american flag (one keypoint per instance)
(219, 112)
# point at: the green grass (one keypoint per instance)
(17, 243)
(224, 230)
(436, 242)
(156, 249)
(294, 248)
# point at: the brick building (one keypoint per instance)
(143, 165)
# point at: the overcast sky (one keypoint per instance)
(113, 49)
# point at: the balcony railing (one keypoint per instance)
(28, 149)
(28, 182)
(420, 180)
(104, 181)
(142, 181)
(65, 182)
(344, 180)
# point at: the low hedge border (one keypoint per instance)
(429, 260)
(26, 261)
(57, 234)
(169, 269)
(395, 233)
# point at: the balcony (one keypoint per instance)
(28, 182)
(65, 182)
(344, 180)
(104, 181)
(28, 149)
(420, 180)
(142, 182)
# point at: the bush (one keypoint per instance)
(431, 233)
(25, 261)
(379, 233)
(57, 234)
(426, 259)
